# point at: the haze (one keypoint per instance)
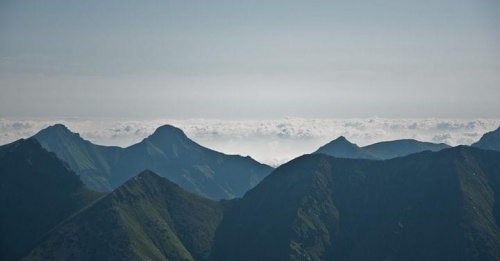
(250, 59)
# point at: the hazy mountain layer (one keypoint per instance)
(342, 148)
(168, 152)
(489, 141)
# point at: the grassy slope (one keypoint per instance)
(147, 218)
(427, 206)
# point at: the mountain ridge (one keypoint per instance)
(318, 207)
(342, 148)
(37, 192)
(148, 217)
(168, 152)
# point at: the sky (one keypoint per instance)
(273, 142)
(231, 59)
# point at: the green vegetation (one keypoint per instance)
(441, 205)
(426, 206)
(147, 218)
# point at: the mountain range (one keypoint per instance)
(442, 205)
(342, 148)
(428, 206)
(168, 152)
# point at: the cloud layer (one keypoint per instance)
(270, 141)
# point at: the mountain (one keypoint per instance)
(37, 192)
(168, 152)
(427, 206)
(401, 148)
(489, 141)
(342, 148)
(147, 218)
(90, 161)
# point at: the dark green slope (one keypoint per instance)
(147, 218)
(489, 141)
(168, 152)
(37, 192)
(342, 148)
(401, 148)
(427, 206)
(92, 162)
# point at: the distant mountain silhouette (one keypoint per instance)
(400, 148)
(37, 192)
(168, 152)
(147, 218)
(342, 148)
(427, 206)
(489, 141)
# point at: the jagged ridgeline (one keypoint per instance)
(428, 206)
(168, 152)
(441, 205)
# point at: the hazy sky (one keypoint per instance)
(250, 59)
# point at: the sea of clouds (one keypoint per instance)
(271, 141)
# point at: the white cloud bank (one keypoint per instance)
(269, 141)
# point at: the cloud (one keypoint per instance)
(271, 141)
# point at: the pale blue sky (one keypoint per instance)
(250, 59)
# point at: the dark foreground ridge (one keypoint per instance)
(37, 192)
(147, 218)
(427, 206)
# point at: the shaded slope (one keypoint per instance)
(489, 141)
(342, 148)
(168, 152)
(147, 218)
(92, 162)
(37, 192)
(427, 206)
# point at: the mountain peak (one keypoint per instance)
(147, 181)
(168, 131)
(57, 129)
(342, 148)
(148, 175)
(342, 139)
